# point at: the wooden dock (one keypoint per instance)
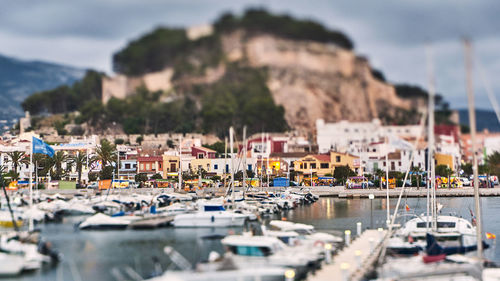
(153, 222)
(356, 260)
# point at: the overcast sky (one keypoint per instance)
(391, 33)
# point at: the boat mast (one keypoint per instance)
(224, 170)
(472, 125)
(387, 182)
(244, 158)
(268, 152)
(179, 170)
(431, 139)
(231, 135)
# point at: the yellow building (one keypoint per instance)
(203, 163)
(322, 164)
(170, 166)
(444, 159)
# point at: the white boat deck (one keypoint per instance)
(355, 260)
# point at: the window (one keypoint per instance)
(249, 167)
(160, 165)
(127, 166)
(305, 165)
(250, 251)
(216, 167)
(147, 166)
(301, 166)
(200, 155)
(337, 158)
(440, 224)
(227, 168)
(142, 166)
(324, 166)
(399, 163)
(313, 165)
(384, 163)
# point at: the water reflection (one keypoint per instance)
(96, 253)
(341, 214)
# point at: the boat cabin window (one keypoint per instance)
(213, 208)
(303, 231)
(252, 251)
(440, 224)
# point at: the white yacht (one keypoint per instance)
(452, 232)
(306, 230)
(102, 221)
(262, 251)
(209, 214)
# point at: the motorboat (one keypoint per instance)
(102, 221)
(261, 251)
(306, 230)
(209, 214)
(218, 268)
(11, 265)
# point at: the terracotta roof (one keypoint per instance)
(322, 157)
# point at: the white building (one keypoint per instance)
(345, 136)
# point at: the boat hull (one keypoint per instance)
(209, 219)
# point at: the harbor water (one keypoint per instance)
(96, 255)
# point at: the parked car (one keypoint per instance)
(93, 185)
(465, 181)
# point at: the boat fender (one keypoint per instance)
(319, 243)
(410, 239)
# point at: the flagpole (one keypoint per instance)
(31, 184)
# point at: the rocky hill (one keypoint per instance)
(269, 72)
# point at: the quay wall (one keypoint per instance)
(322, 191)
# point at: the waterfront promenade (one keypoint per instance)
(323, 191)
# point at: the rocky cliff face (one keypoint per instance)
(310, 80)
(314, 80)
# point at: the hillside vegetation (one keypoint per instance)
(239, 96)
(171, 47)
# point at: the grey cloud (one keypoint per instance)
(391, 33)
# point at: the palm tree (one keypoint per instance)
(379, 173)
(417, 170)
(17, 158)
(105, 153)
(79, 160)
(57, 160)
